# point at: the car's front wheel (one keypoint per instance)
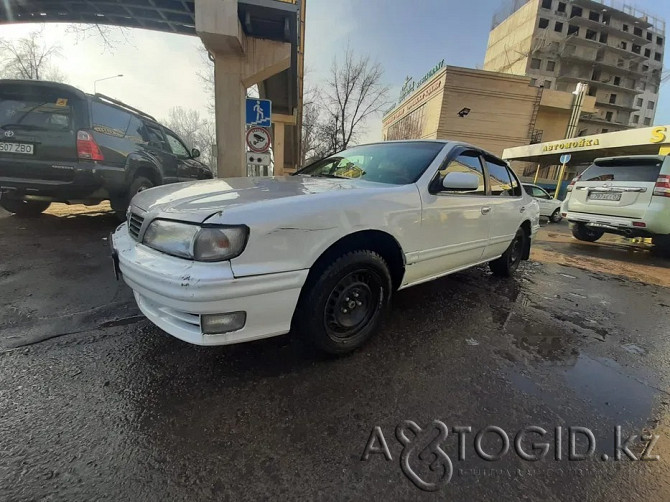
(24, 208)
(342, 307)
(584, 233)
(506, 265)
(556, 216)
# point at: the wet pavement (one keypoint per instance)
(97, 403)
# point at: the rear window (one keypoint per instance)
(644, 170)
(35, 112)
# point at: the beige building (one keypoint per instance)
(613, 47)
(491, 110)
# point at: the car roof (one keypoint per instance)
(45, 83)
(659, 158)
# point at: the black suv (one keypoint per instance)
(58, 144)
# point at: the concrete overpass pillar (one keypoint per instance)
(239, 62)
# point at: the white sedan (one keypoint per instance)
(320, 252)
(549, 207)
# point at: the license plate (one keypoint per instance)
(24, 148)
(605, 196)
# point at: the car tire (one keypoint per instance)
(662, 244)
(556, 216)
(345, 304)
(24, 208)
(586, 234)
(138, 185)
(506, 265)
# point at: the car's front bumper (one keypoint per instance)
(173, 293)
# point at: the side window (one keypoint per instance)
(109, 120)
(466, 162)
(500, 178)
(176, 146)
(136, 132)
(516, 187)
(155, 137)
(529, 190)
(539, 193)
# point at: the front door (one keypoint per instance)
(454, 225)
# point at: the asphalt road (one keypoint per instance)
(97, 403)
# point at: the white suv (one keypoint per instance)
(621, 195)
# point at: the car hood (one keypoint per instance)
(198, 200)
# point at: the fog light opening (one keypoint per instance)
(217, 324)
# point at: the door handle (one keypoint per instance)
(486, 210)
(522, 209)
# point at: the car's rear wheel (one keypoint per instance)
(662, 244)
(556, 216)
(24, 208)
(584, 233)
(342, 307)
(506, 265)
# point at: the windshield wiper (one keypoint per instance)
(330, 176)
(29, 127)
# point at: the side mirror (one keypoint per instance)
(195, 153)
(460, 182)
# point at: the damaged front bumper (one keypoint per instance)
(173, 293)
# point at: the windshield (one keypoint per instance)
(645, 170)
(391, 163)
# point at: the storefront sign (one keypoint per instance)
(410, 85)
(570, 144)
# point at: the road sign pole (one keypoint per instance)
(560, 180)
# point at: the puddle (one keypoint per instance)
(606, 386)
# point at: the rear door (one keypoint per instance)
(505, 204)
(38, 131)
(616, 187)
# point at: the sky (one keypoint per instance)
(406, 37)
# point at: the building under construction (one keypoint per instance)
(613, 47)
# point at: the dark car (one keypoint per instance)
(58, 144)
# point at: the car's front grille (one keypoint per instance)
(135, 225)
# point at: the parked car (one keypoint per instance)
(549, 207)
(58, 144)
(627, 196)
(231, 260)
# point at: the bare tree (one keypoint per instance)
(30, 58)
(109, 36)
(195, 131)
(409, 127)
(311, 126)
(353, 93)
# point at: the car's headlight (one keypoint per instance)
(195, 242)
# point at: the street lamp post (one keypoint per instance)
(95, 82)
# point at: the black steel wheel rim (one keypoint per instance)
(352, 304)
(515, 251)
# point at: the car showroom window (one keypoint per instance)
(176, 145)
(109, 120)
(500, 178)
(466, 162)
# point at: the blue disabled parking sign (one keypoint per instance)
(259, 112)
